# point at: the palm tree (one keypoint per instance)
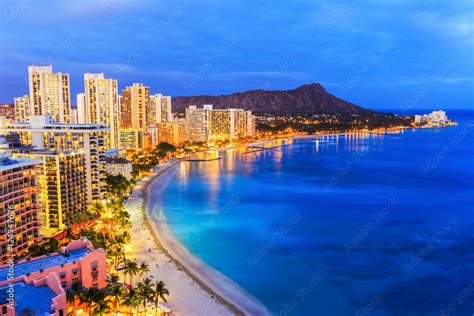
(132, 299)
(131, 268)
(159, 291)
(117, 292)
(142, 269)
(145, 291)
(72, 293)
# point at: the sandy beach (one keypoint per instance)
(195, 288)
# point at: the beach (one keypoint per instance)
(195, 288)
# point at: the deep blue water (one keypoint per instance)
(361, 225)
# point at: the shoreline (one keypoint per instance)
(212, 292)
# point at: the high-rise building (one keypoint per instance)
(101, 104)
(230, 123)
(44, 134)
(165, 113)
(63, 188)
(81, 108)
(154, 109)
(19, 205)
(135, 104)
(197, 125)
(74, 116)
(131, 139)
(22, 109)
(251, 122)
(49, 93)
(172, 132)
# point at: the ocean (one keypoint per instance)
(363, 224)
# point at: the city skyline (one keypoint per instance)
(382, 61)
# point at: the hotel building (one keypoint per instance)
(101, 105)
(49, 93)
(22, 109)
(19, 205)
(44, 134)
(197, 123)
(73, 116)
(135, 103)
(40, 284)
(119, 166)
(63, 188)
(172, 132)
(231, 123)
(130, 139)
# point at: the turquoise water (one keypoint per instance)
(355, 225)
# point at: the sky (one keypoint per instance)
(378, 54)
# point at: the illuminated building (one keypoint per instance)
(22, 109)
(81, 108)
(7, 111)
(101, 105)
(231, 123)
(135, 103)
(172, 132)
(165, 113)
(119, 166)
(197, 124)
(44, 134)
(19, 205)
(130, 139)
(63, 188)
(49, 93)
(159, 109)
(73, 116)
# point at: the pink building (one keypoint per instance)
(39, 284)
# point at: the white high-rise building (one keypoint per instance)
(101, 105)
(49, 93)
(81, 108)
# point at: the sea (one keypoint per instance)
(354, 224)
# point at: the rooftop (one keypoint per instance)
(117, 160)
(29, 299)
(7, 162)
(44, 263)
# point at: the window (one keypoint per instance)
(74, 271)
(62, 274)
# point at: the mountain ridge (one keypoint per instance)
(307, 98)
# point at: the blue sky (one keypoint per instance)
(378, 54)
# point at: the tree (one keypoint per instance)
(117, 292)
(159, 291)
(94, 298)
(142, 269)
(132, 299)
(145, 292)
(131, 268)
(117, 185)
(166, 147)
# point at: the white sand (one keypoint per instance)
(195, 288)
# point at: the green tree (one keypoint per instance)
(159, 291)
